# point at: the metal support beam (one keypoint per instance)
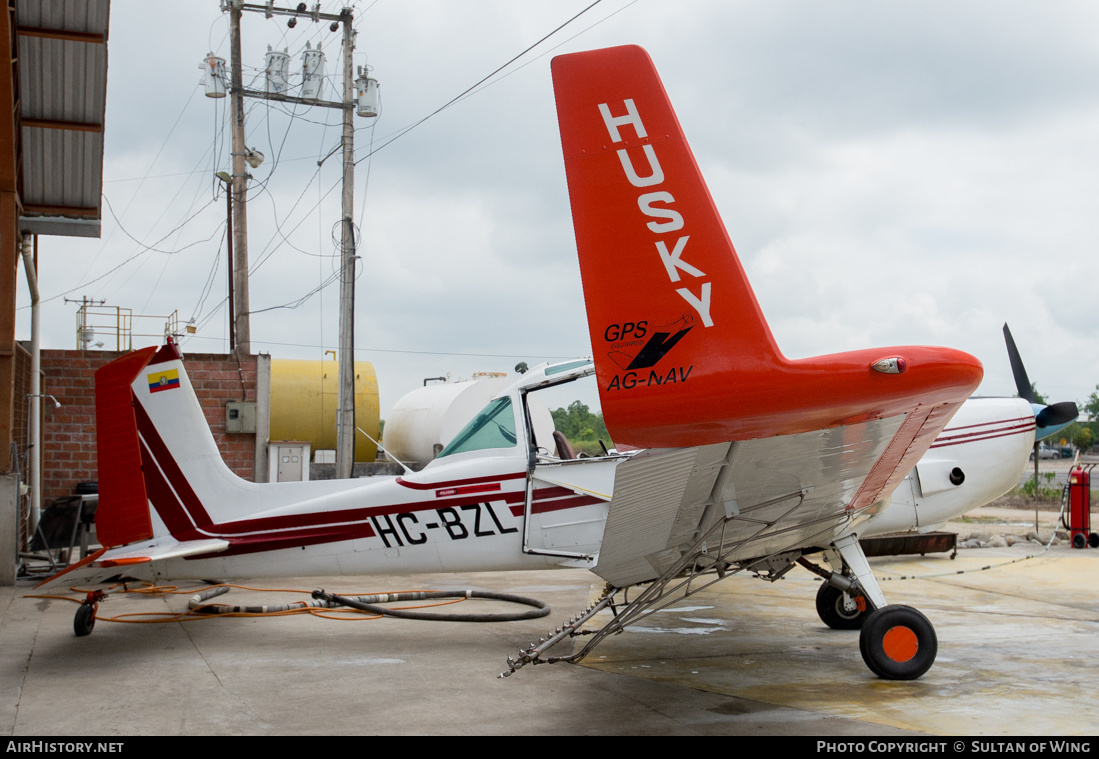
(72, 126)
(31, 209)
(281, 98)
(62, 34)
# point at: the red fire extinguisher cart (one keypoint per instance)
(1079, 511)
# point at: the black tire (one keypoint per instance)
(84, 621)
(1093, 540)
(1079, 540)
(831, 610)
(898, 643)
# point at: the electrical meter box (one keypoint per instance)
(288, 460)
(240, 416)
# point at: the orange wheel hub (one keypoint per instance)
(900, 644)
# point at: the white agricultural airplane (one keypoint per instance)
(738, 458)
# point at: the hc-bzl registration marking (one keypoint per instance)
(449, 520)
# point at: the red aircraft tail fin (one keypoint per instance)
(683, 353)
(647, 229)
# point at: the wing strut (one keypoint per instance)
(703, 564)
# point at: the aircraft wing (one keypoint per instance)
(788, 451)
(777, 494)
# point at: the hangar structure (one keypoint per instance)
(51, 178)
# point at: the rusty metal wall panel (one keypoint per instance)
(63, 81)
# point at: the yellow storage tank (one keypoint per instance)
(304, 397)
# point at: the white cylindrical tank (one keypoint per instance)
(213, 76)
(277, 66)
(312, 69)
(423, 421)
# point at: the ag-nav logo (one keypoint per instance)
(652, 344)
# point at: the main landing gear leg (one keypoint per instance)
(897, 642)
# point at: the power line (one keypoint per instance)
(412, 352)
(401, 133)
(140, 253)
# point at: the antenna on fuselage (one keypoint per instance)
(388, 455)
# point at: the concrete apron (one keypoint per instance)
(1018, 645)
(1017, 653)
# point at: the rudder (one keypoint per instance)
(123, 512)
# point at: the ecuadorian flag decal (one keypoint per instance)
(166, 380)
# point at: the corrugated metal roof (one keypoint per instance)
(62, 52)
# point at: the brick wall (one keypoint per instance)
(68, 435)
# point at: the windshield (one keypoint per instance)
(494, 427)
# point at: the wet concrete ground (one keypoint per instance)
(1018, 648)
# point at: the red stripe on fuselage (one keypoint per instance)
(164, 499)
(186, 498)
(557, 504)
(977, 439)
(259, 544)
(459, 483)
(1017, 420)
(984, 431)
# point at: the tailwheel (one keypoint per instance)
(898, 643)
(84, 621)
(840, 610)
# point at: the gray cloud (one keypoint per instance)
(890, 173)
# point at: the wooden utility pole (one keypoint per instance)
(239, 327)
(240, 324)
(345, 425)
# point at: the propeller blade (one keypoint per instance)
(1057, 413)
(1022, 382)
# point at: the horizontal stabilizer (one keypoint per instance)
(106, 564)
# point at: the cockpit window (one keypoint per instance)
(494, 427)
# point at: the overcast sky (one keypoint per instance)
(890, 173)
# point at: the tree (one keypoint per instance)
(578, 424)
(1091, 408)
(1083, 439)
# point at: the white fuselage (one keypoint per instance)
(977, 458)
